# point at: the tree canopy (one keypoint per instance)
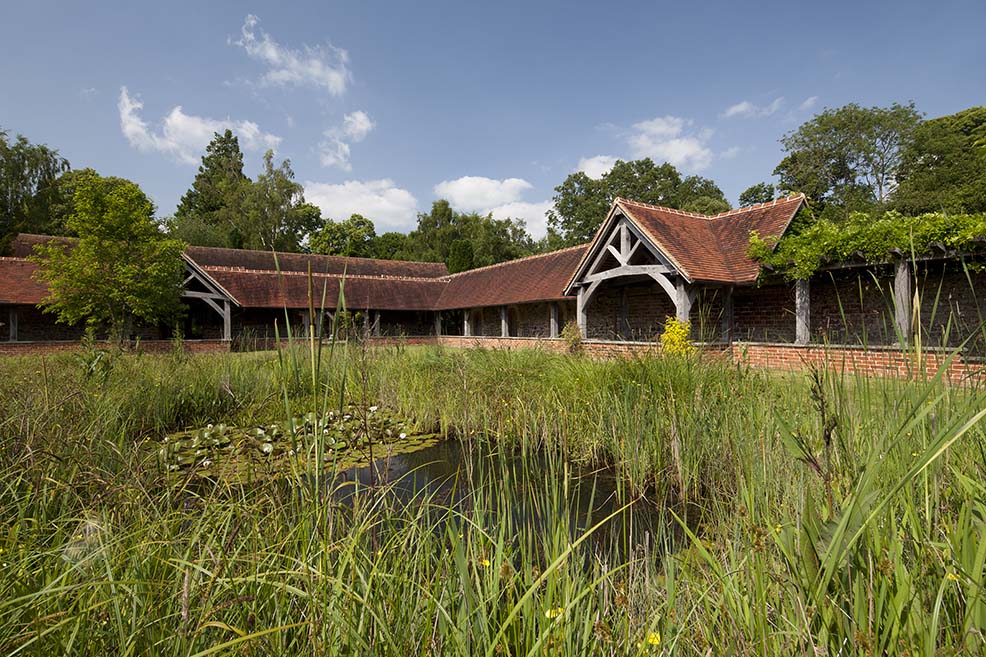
(120, 267)
(27, 173)
(762, 192)
(944, 167)
(225, 208)
(353, 237)
(848, 159)
(581, 202)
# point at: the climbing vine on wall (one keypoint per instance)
(875, 240)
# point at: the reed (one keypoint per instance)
(806, 513)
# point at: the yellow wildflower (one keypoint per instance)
(554, 613)
(654, 638)
(952, 577)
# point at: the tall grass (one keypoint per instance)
(806, 514)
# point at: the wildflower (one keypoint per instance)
(485, 563)
(952, 577)
(654, 638)
(777, 529)
(373, 409)
(554, 612)
(402, 436)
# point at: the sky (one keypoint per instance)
(383, 107)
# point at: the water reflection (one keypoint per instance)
(455, 474)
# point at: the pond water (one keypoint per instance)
(454, 473)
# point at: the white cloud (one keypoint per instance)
(184, 136)
(325, 67)
(664, 139)
(388, 206)
(596, 166)
(479, 194)
(357, 125)
(533, 215)
(334, 150)
(748, 110)
(730, 153)
(808, 103)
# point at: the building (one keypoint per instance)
(644, 264)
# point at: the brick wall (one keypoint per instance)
(146, 346)
(764, 314)
(853, 307)
(953, 304)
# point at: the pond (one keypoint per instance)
(454, 473)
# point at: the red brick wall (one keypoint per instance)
(764, 314)
(146, 346)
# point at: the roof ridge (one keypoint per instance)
(379, 277)
(699, 215)
(664, 208)
(314, 255)
(755, 206)
(521, 259)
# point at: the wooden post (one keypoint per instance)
(306, 323)
(802, 311)
(12, 325)
(438, 323)
(903, 297)
(553, 320)
(227, 322)
(581, 314)
(624, 328)
(504, 324)
(376, 324)
(727, 315)
(683, 300)
(467, 322)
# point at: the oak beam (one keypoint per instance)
(580, 312)
(438, 323)
(467, 323)
(227, 322)
(504, 323)
(683, 298)
(12, 324)
(553, 320)
(903, 300)
(802, 311)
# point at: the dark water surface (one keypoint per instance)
(455, 474)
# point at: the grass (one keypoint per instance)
(806, 513)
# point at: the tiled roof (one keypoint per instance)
(16, 283)
(206, 256)
(535, 278)
(712, 248)
(253, 288)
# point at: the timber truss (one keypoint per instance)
(621, 250)
(199, 285)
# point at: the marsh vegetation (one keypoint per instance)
(794, 514)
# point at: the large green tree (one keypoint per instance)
(848, 159)
(581, 202)
(120, 268)
(276, 215)
(944, 167)
(212, 211)
(762, 192)
(352, 237)
(492, 240)
(27, 172)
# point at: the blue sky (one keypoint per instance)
(384, 106)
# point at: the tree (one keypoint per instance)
(59, 202)
(352, 237)
(121, 267)
(275, 215)
(493, 240)
(26, 171)
(581, 202)
(388, 246)
(460, 256)
(848, 158)
(762, 192)
(944, 167)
